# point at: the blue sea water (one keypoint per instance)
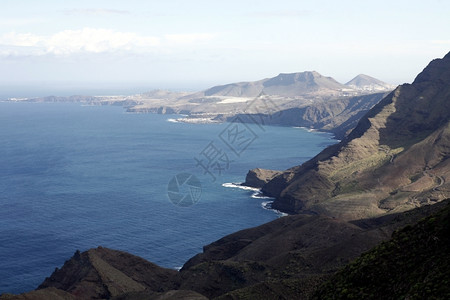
(77, 177)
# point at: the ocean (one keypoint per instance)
(77, 177)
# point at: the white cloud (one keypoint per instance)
(20, 39)
(91, 40)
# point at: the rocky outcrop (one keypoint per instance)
(395, 159)
(103, 273)
(257, 178)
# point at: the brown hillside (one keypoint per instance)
(397, 154)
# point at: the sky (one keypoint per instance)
(196, 44)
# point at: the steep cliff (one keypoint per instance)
(395, 159)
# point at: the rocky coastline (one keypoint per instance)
(373, 208)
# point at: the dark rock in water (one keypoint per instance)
(257, 178)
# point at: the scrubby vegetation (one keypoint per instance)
(414, 264)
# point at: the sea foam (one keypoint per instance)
(257, 194)
(268, 205)
(240, 186)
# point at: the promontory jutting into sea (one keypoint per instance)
(299, 186)
(217, 150)
(73, 176)
(100, 166)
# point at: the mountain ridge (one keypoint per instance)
(391, 171)
(412, 120)
(294, 84)
(308, 99)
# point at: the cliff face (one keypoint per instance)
(258, 177)
(397, 154)
(338, 116)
